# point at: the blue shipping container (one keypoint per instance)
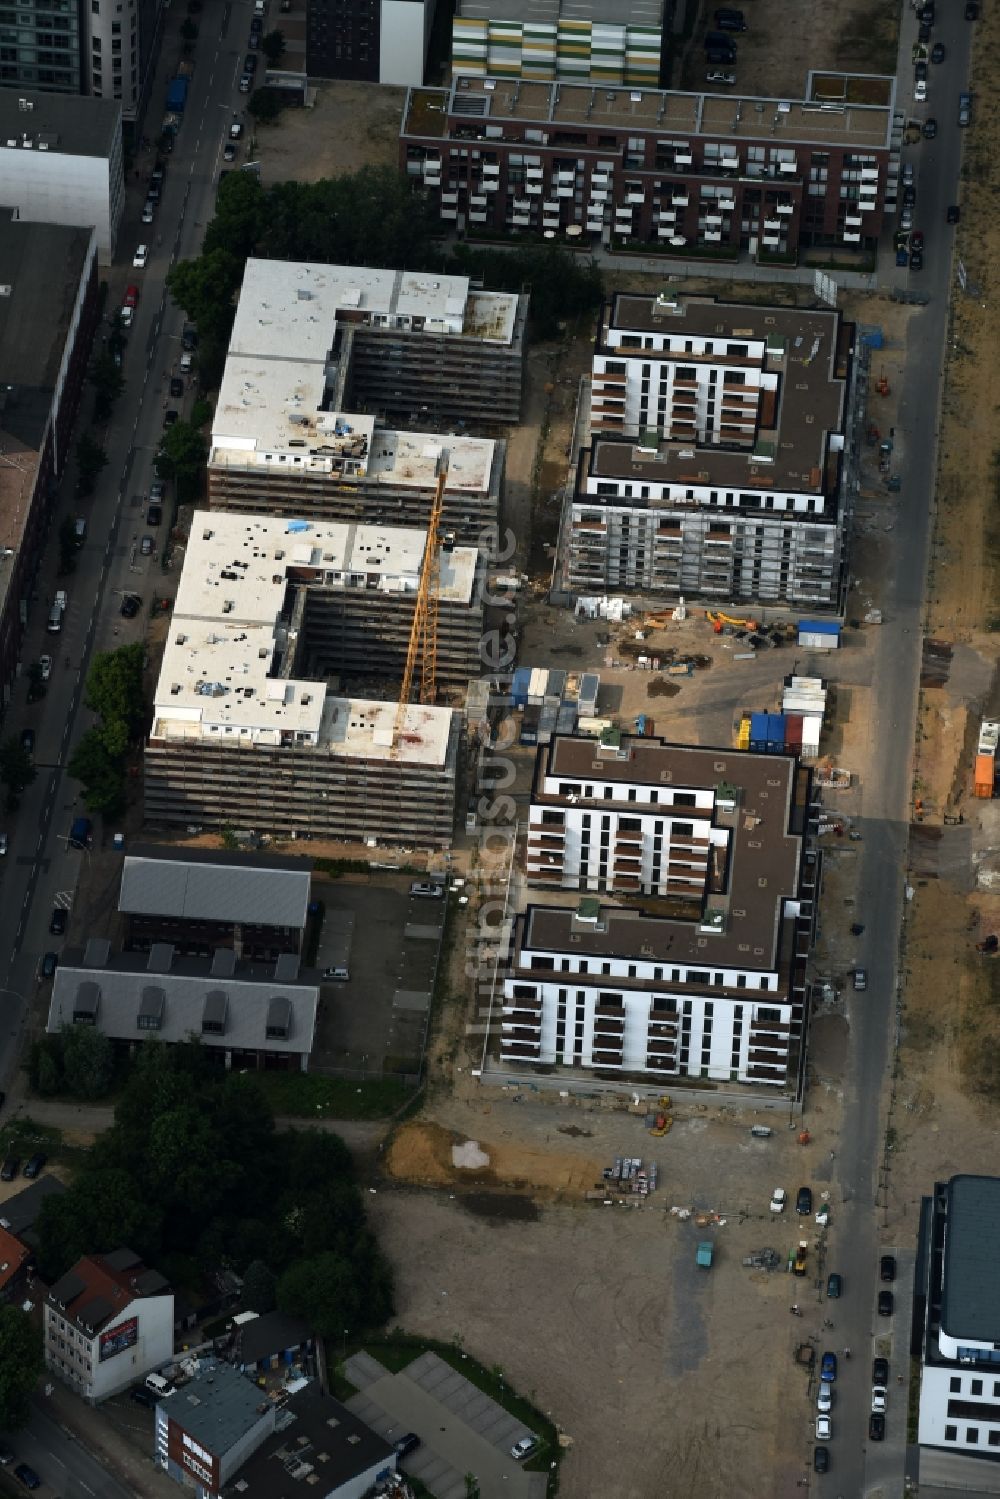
(758, 728)
(519, 686)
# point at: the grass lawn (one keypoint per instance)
(305, 1095)
(25, 1136)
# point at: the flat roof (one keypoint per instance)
(273, 1332)
(595, 106)
(217, 1408)
(289, 309)
(550, 12)
(214, 891)
(70, 124)
(970, 1290)
(181, 995)
(318, 1445)
(764, 852)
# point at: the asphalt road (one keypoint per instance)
(40, 869)
(857, 1465)
(64, 1467)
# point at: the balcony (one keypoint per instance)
(683, 159)
(851, 238)
(680, 200)
(784, 208)
(712, 236)
(520, 1051)
(492, 169)
(664, 1064)
(730, 163)
(635, 198)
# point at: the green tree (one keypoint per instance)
(88, 1061)
(181, 456)
(240, 210)
(45, 1066)
(258, 1287)
(114, 691)
(201, 413)
(108, 383)
(90, 459)
(323, 1292)
(67, 545)
(273, 46)
(17, 769)
(101, 774)
(265, 104)
(21, 1365)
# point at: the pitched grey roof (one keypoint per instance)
(237, 1009)
(222, 891)
(970, 1292)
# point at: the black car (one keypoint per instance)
(821, 1459)
(916, 260)
(170, 416)
(937, 52)
(34, 1166)
(10, 1168)
(131, 604)
(927, 14)
(250, 63)
(804, 1200)
(189, 340)
(972, 10)
(886, 1302)
(930, 129)
(176, 385)
(141, 1396)
(920, 71)
(154, 515)
(57, 924)
(953, 213)
(253, 41)
(923, 32)
(909, 195)
(406, 1444)
(887, 1268)
(50, 962)
(27, 1476)
(6, 1455)
(28, 741)
(876, 1426)
(834, 1286)
(880, 1371)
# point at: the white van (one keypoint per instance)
(55, 620)
(158, 1386)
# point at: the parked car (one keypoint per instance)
(778, 1200)
(523, 1448)
(176, 386)
(147, 546)
(824, 1428)
(861, 974)
(972, 10)
(824, 1397)
(34, 1166)
(148, 210)
(930, 128)
(154, 515)
(878, 1399)
(923, 32)
(340, 973)
(828, 1366)
(3, 845)
(236, 128)
(45, 667)
(27, 1475)
(9, 1169)
(229, 151)
(938, 52)
(57, 921)
(189, 338)
(721, 57)
(821, 1459)
(902, 258)
(171, 416)
(28, 741)
(158, 491)
(730, 20)
(253, 41)
(726, 80)
(880, 1371)
(139, 258)
(952, 213)
(6, 1455)
(916, 260)
(886, 1302)
(406, 1444)
(185, 365)
(246, 84)
(804, 1200)
(834, 1286)
(876, 1427)
(909, 195)
(427, 889)
(920, 91)
(48, 965)
(927, 13)
(141, 1396)
(130, 605)
(250, 62)
(964, 109)
(887, 1268)
(920, 71)
(917, 240)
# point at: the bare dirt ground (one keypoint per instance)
(352, 125)
(786, 38)
(600, 1314)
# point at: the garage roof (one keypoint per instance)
(217, 889)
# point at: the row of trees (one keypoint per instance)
(78, 1060)
(375, 216)
(114, 692)
(195, 1178)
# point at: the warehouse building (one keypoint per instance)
(716, 462)
(428, 350)
(678, 173)
(610, 42)
(688, 958)
(248, 733)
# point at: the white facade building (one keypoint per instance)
(957, 1286)
(108, 1322)
(701, 973)
(716, 454)
(61, 162)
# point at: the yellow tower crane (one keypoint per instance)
(423, 634)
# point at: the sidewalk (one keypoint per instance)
(95, 1432)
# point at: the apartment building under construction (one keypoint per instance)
(715, 467)
(252, 726)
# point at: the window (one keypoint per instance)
(955, 1385)
(994, 1438)
(972, 1435)
(977, 1387)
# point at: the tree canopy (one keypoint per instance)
(181, 456)
(21, 1365)
(114, 692)
(194, 1177)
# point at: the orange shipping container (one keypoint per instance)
(985, 766)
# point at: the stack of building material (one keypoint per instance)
(804, 699)
(986, 755)
(819, 634)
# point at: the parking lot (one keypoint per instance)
(388, 940)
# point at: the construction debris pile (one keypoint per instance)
(627, 1178)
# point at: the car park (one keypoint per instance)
(938, 52)
(876, 1427)
(804, 1200)
(828, 1366)
(523, 1448)
(824, 1428)
(964, 109)
(139, 258)
(930, 128)
(48, 965)
(726, 80)
(147, 546)
(887, 1268)
(824, 1397)
(821, 1459)
(34, 1166)
(154, 515)
(878, 1399)
(10, 1168)
(57, 921)
(427, 889)
(834, 1286)
(27, 1475)
(953, 213)
(880, 1371)
(886, 1302)
(403, 1445)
